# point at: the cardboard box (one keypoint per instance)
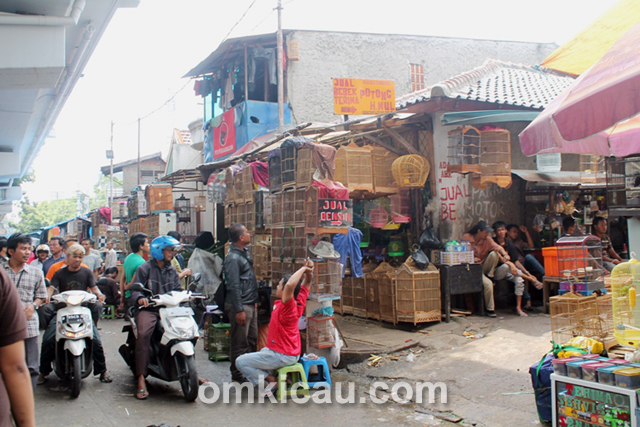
(435, 256)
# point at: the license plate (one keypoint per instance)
(179, 311)
(73, 318)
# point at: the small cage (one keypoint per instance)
(232, 215)
(417, 294)
(623, 182)
(383, 179)
(365, 229)
(580, 264)
(354, 168)
(401, 207)
(312, 222)
(411, 171)
(304, 167)
(592, 169)
(280, 267)
(288, 166)
(262, 261)
(159, 197)
(464, 150)
(250, 217)
(378, 217)
(268, 210)
(372, 292)
(237, 186)
(293, 207)
(275, 171)
(182, 207)
(625, 294)
(137, 204)
(549, 162)
(385, 276)
(574, 315)
(277, 215)
(320, 331)
(359, 296)
(231, 196)
(327, 281)
(241, 214)
(346, 299)
(258, 200)
(219, 344)
(288, 242)
(495, 158)
(246, 176)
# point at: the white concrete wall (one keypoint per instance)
(185, 157)
(327, 55)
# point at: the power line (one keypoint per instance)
(239, 20)
(160, 107)
(269, 14)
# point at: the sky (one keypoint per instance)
(136, 70)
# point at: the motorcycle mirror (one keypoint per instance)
(138, 287)
(47, 283)
(196, 277)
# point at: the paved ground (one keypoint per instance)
(487, 381)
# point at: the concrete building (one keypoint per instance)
(152, 167)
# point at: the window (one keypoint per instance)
(417, 77)
(150, 176)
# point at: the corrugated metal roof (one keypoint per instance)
(496, 82)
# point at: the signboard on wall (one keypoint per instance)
(363, 96)
(335, 213)
(224, 135)
(586, 406)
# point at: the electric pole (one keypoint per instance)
(280, 72)
(111, 171)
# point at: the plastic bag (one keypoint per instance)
(334, 355)
(419, 257)
(428, 240)
(538, 222)
(210, 267)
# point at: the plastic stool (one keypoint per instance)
(109, 311)
(323, 377)
(297, 375)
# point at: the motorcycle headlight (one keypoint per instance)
(185, 333)
(75, 299)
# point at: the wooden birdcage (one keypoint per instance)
(401, 206)
(288, 166)
(262, 261)
(378, 217)
(159, 198)
(250, 217)
(354, 168)
(411, 171)
(241, 214)
(228, 179)
(246, 177)
(592, 169)
(313, 225)
(346, 299)
(385, 276)
(277, 215)
(275, 171)
(574, 315)
(372, 292)
(293, 207)
(359, 297)
(280, 267)
(288, 242)
(495, 157)
(304, 167)
(464, 150)
(383, 180)
(327, 281)
(231, 213)
(418, 294)
(320, 331)
(268, 209)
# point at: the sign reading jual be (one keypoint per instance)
(335, 213)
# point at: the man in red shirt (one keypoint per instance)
(283, 342)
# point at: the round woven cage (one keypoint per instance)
(411, 170)
(378, 217)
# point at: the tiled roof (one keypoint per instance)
(496, 82)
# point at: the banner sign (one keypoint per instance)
(363, 97)
(335, 213)
(585, 406)
(224, 135)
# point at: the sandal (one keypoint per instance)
(105, 377)
(538, 285)
(522, 314)
(202, 381)
(42, 379)
(142, 394)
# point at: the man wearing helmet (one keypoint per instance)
(42, 253)
(160, 277)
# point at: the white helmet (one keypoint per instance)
(43, 247)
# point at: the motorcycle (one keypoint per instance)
(74, 338)
(172, 345)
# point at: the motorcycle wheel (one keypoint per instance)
(188, 376)
(76, 376)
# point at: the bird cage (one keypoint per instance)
(401, 207)
(275, 171)
(280, 267)
(246, 177)
(411, 171)
(365, 229)
(262, 261)
(383, 180)
(159, 198)
(288, 242)
(580, 264)
(250, 217)
(372, 292)
(354, 168)
(230, 215)
(304, 167)
(320, 331)
(359, 297)
(378, 217)
(293, 207)
(464, 150)
(182, 207)
(288, 166)
(346, 298)
(385, 276)
(327, 281)
(268, 209)
(592, 169)
(495, 157)
(623, 182)
(395, 248)
(277, 215)
(417, 294)
(228, 179)
(258, 201)
(625, 296)
(574, 315)
(241, 213)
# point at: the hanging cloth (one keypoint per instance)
(349, 245)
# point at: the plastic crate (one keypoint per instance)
(219, 335)
(455, 257)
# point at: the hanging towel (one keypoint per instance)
(349, 245)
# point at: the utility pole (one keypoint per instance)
(111, 171)
(138, 151)
(280, 72)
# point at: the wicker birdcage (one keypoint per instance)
(383, 180)
(378, 217)
(304, 167)
(401, 206)
(237, 186)
(250, 217)
(464, 150)
(354, 168)
(231, 196)
(275, 171)
(241, 214)
(574, 315)
(280, 267)
(293, 207)
(359, 297)
(327, 281)
(258, 200)
(277, 215)
(346, 299)
(410, 171)
(288, 166)
(495, 157)
(246, 177)
(418, 294)
(262, 261)
(230, 215)
(288, 242)
(385, 276)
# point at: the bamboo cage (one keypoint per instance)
(383, 180)
(418, 294)
(227, 216)
(346, 299)
(288, 167)
(280, 267)
(241, 214)
(275, 172)
(228, 179)
(327, 281)
(262, 261)
(401, 207)
(250, 213)
(246, 176)
(304, 167)
(320, 331)
(277, 215)
(464, 150)
(268, 210)
(386, 277)
(288, 242)
(574, 315)
(293, 207)
(592, 169)
(359, 297)
(237, 187)
(354, 168)
(411, 171)
(495, 157)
